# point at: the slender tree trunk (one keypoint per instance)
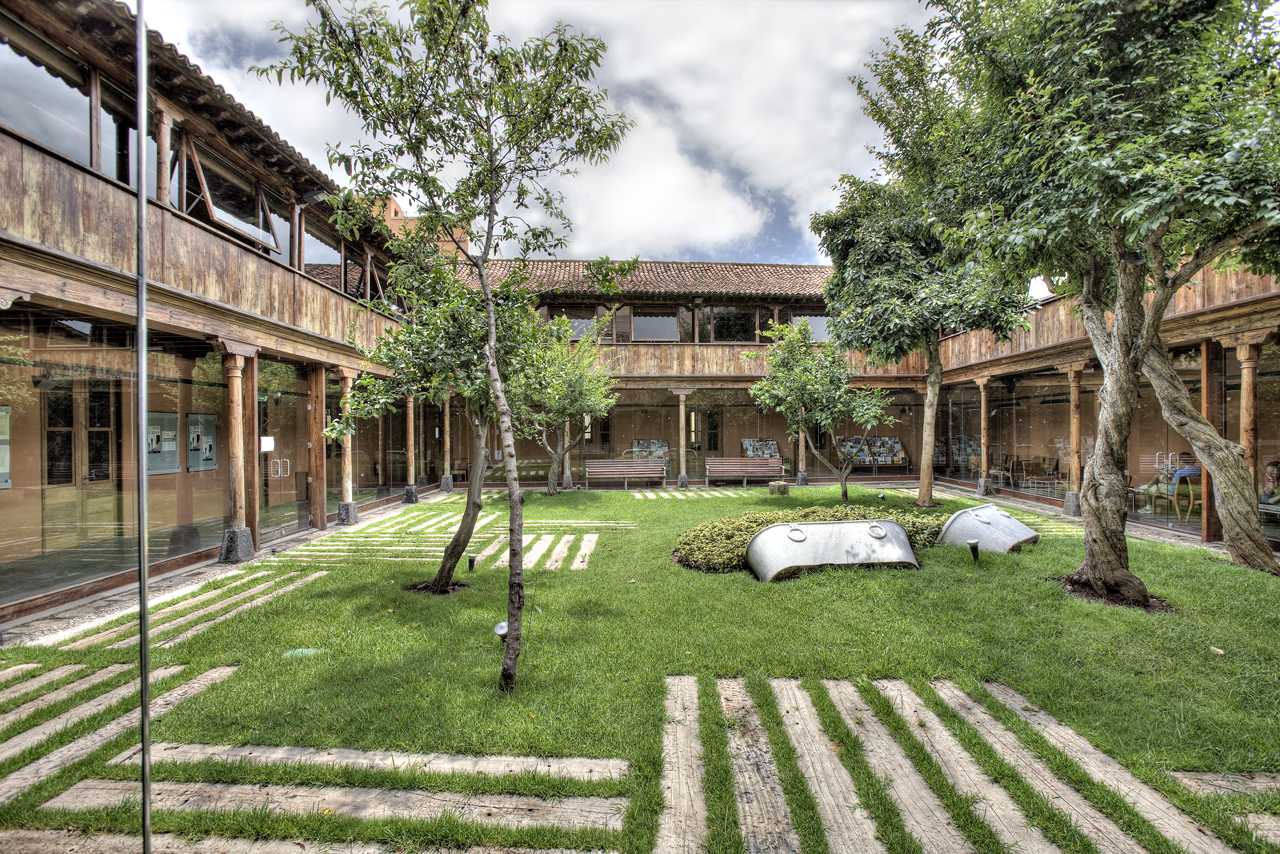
(841, 471)
(933, 384)
(556, 453)
(1104, 494)
(1233, 481)
(462, 538)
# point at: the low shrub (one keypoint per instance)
(721, 546)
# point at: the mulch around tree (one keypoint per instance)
(1081, 589)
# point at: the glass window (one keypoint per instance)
(581, 319)
(235, 200)
(120, 138)
(655, 323)
(354, 277)
(45, 95)
(817, 324)
(282, 220)
(684, 325)
(322, 259)
(734, 324)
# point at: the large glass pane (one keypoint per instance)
(45, 94)
(235, 199)
(321, 255)
(654, 323)
(734, 324)
(282, 459)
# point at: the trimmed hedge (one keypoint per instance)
(721, 546)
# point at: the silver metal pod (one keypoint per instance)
(782, 551)
(994, 529)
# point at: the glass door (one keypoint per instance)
(283, 458)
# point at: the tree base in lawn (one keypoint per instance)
(682, 482)
(347, 514)
(237, 545)
(1071, 504)
(1078, 586)
(410, 495)
(446, 483)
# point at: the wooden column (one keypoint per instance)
(164, 130)
(684, 439)
(233, 373)
(95, 123)
(984, 416)
(252, 470)
(1248, 355)
(316, 497)
(447, 451)
(1075, 467)
(1211, 394)
(410, 443)
(345, 376)
(382, 450)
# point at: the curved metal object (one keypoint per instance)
(782, 551)
(994, 529)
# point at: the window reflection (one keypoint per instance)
(45, 94)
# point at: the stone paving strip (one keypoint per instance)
(78, 842)
(574, 768)
(35, 682)
(51, 763)
(203, 612)
(569, 524)
(1102, 831)
(923, 815)
(252, 603)
(511, 811)
(59, 694)
(16, 670)
(1177, 826)
(682, 825)
(763, 814)
(560, 553)
(847, 824)
(538, 550)
(1216, 783)
(132, 625)
(491, 549)
(1264, 827)
(993, 805)
(584, 553)
(35, 735)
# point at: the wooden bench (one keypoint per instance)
(625, 470)
(769, 468)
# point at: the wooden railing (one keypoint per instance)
(64, 206)
(722, 360)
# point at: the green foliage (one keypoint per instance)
(810, 384)
(721, 546)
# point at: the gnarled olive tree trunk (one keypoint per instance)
(1104, 493)
(558, 452)
(475, 485)
(933, 385)
(1233, 482)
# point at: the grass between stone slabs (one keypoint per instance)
(401, 671)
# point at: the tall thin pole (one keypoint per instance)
(144, 663)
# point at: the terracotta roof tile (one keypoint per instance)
(666, 279)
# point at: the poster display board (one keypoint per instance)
(162, 443)
(5, 481)
(202, 442)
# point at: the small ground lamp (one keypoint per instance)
(973, 550)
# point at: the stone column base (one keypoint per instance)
(567, 481)
(347, 514)
(410, 495)
(984, 486)
(1071, 504)
(446, 483)
(682, 481)
(802, 479)
(237, 545)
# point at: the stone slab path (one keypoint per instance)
(763, 812)
(1214, 783)
(682, 826)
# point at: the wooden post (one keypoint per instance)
(683, 479)
(1248, 355)
(317, 504)
(164, 130)
(252, 471)
(233, 373)
(410, 443)
(95, 124)
(984, 415)
(1211, 393)
(802, 475)
(382, 449)
(347, 507)
(446, 476)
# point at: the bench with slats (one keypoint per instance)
(769, 468)
(625, 470)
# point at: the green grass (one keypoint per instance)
(402, 671)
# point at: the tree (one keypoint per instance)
(810, 384)
(467, 128)
(1119, 148)
(896, 286)
(569, 385)
(437, 352)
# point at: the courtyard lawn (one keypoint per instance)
(391, 670)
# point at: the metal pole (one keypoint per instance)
(144, 664)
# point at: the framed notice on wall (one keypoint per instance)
(202, 442)
(162, 443)
(5, 412)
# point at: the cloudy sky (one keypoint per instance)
(744, 116)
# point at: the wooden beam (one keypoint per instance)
(348, 473)
(984, 462)
(1248, 354)
(233, 374)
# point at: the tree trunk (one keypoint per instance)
(1104, 494)
(475, 486)
(1233, 481)
(841, 472)
(557, 460)
(845, 469)
(933, 384)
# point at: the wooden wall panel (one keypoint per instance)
(11, 203)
